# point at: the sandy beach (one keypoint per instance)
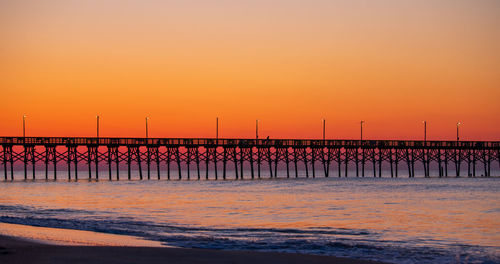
(18, 250)
(33, 244)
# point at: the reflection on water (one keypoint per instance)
(399, 220)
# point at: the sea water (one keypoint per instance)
(398, 220)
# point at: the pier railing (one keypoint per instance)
(105, 141)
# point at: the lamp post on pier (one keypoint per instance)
(24, 126)
(425, 130)
(147, 118)
(458, 135)
(97, 117)
(361, 123)
(257, 129)
(217, 128)
(324, 128)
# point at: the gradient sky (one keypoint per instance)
(288, 63)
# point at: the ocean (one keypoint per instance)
(397, 220)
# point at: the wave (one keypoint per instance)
(362, 244)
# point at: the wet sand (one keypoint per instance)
(18, 250)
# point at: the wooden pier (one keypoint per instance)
(203, 157)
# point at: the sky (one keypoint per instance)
(288, 63)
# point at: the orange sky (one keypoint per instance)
(288, 63)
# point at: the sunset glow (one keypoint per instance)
(287, 63)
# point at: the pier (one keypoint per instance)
(202, 158)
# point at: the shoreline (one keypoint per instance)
(19, 249)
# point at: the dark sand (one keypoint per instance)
(16, 250)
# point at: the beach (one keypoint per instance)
(34, 244)
(386, 220)
(18, 250)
